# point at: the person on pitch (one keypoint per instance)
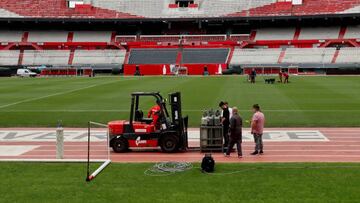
(257, 128)
(235, 133)
(225, 120)
(252, 75)
(286, 77)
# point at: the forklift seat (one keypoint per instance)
(139, 116)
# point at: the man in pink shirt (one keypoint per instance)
(257, 128)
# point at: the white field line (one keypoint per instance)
(59, 93)
(52, 160)
(127, 110)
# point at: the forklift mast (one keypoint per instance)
(181, 123)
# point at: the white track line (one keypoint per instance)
(59, 93)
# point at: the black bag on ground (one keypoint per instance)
(208, 164)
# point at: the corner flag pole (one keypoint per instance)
(88, 155)
(106, 162)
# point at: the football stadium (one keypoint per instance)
(180, 100)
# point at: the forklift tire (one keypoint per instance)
(169, 143)
(120, 145)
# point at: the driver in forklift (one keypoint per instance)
(154, 113)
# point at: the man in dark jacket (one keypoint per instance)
(235, 133)
(225, 120)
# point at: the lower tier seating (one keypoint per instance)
(153, 56)
(205, 56)
(61, 57)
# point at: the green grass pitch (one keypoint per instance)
(305, 102)
(34, 182)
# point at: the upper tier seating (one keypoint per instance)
(352, 32)
(47, 57)
(54, 9)
(92, 36)
(56, 36)
(97, 57)
(106, 9)
(308, 7)
(275, 34)
(7, 14)
(153, 56)
(205, 56)
(309, 55)
(48, 36)
(348, 55)
(319, 33)
(160, 8)
(10, 36)
(255, 56)
(9, 57)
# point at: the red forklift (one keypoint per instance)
(169, 132)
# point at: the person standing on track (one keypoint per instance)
(257, 128)
(235, 133)
(225, 120)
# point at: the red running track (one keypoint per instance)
(343, 146)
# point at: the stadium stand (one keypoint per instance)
(319, 33)
(153, 56)
(92, 36)
(48, 36)
(206, 56)
(255, 56)
(56, 9)
(284, 45)
(352, 32)
(160, 8)
(348, 55)
(48, 57)
(309, 55)
(307, 7)
(155, 42)
(10, 36)
(275, 34)
(9, 57)
(7, 14)
(98, 57)
(124, 9)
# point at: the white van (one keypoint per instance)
(25, 73)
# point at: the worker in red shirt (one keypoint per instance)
(286, 77)
(280, 76)
(154, 113)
